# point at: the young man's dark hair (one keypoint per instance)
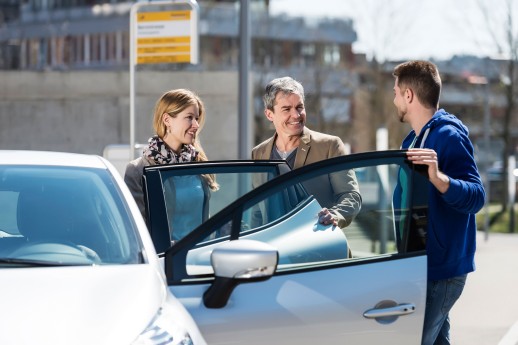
(422, 77)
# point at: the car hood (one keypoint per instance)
(78, 305)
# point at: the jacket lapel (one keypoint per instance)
(303, 149)
(267, 150)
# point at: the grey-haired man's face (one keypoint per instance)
(288, 115)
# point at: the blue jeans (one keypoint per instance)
(441, 295)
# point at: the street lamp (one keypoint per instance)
(478, 80)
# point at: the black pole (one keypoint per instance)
(244, 146)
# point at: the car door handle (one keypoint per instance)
(398, 310)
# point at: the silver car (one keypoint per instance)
(77, 264)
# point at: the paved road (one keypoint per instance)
(487, 311)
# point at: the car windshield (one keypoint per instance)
(52, 215)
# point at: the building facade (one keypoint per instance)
(345, 94)
(55, 35)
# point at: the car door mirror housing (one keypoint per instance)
(237, 262)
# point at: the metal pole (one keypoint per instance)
(487, 144)
(382, 144)
(244, 146)
(512, 190)
(132, 81)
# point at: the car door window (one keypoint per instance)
(283, 213)
(182, 200)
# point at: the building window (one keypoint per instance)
(79, 49)
(331, 55)
(307, 52)
(125, 42)
(95, 48)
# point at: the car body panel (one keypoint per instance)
(52, 305)
(316, 307)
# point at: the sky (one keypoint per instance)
(416, 29)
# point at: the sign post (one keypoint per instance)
(161, 32)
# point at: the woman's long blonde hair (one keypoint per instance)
(174, 102)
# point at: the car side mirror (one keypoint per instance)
(236, 262)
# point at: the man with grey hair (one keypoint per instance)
(299, 146)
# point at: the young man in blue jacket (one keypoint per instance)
(440, 141)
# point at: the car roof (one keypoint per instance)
(29, 157)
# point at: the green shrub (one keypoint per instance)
(498, 220)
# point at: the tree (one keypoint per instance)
(504, 36)
(382, 33)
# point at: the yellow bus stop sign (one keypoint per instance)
(165, 37)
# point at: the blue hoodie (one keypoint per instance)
(451, 240)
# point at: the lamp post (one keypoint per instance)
(487, 145)
(477, 80)
(244, 135)
(512, 190)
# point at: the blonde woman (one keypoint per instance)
(178, 117)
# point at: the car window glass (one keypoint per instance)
(372, 232)
(8, 224)
(67, 215)
(288, 220)
(189, 200)
(287, 217)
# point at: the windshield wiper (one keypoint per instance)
(37, 263)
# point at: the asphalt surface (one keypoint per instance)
(487, 311)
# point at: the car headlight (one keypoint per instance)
(163, 330)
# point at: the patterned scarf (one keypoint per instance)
(158, 151)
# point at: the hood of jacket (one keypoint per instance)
(439, 119)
